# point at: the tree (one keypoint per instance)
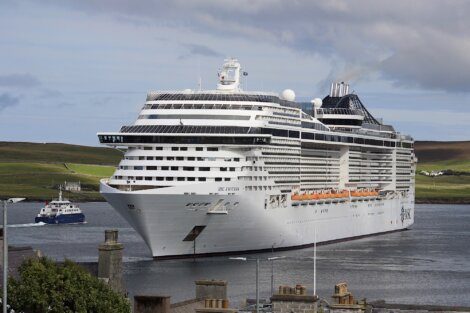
(45, 286)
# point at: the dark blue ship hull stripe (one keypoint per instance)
(61, 219)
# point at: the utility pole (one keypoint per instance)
(5, 251)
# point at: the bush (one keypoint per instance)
(45, 286)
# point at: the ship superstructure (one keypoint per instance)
(222, 171)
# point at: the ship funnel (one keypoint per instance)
(339, 89)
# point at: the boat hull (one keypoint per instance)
(249, 222)
(61, 219)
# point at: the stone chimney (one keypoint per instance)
(214, 294)
(343, 301)
(152, 304)
(294, 300)
(110, 261)
(211, 289)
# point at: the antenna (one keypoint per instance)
(315, 262)
(199, 82)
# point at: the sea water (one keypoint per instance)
(429, 264)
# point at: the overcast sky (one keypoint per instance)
(72, 68)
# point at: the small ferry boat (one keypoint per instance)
(60, 211)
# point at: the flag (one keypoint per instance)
(245, 73)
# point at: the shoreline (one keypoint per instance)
(442, 201)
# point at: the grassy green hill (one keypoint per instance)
(437, 156)
(34, 170)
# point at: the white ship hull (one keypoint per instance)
(163, 218)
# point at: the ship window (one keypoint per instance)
(148, 178)
(191, 178)
(179, 158)
(188, 168)
(223, 169)
(199, 148)
(236, 159)
(139, 178)
(184, 148)
(212, 149)
(174, 168)
(151, 168)
(180, 178)
(148, 148)
(218, 179)
(168, 178)
(149, 158)
(201, 179)
(205, 169)
(170, 158)
(138, 168)
(159, 178)
(227, 179)
(141, 158)
(191, 158)
(200, 159)
(165, 168)
(158, 148)
(158, 158)
(232, 169)
(174, 148)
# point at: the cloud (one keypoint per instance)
(199, 50)
(6, 100)
(446, 117)
(19, 80)
(422, 43)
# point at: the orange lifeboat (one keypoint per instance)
(304, 197)
(296, 197)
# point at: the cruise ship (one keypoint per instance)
(229, 171)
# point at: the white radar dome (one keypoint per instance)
(317, 102)
(288, 94)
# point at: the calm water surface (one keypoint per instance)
(428, 264)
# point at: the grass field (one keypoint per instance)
(93, 170)
(35, 170)
(57, 153)
(39, 181)
(455, 165)
(436, 156)
(443, 189)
